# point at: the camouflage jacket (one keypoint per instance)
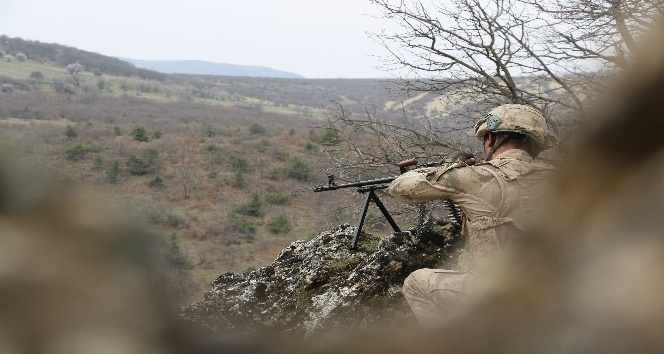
(498, 198)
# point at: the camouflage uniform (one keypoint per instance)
(498, 199)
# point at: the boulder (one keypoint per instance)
(322, 285)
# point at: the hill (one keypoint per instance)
(220, 167)
(199, 67)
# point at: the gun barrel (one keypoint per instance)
(369, 182)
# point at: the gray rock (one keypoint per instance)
(321, 285)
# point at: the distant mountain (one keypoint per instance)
(199, 67)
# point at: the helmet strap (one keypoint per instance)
(500, 139)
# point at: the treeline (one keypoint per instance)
(63, 56)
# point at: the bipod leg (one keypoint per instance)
(372, 197)
(385, 212)
(363, 215)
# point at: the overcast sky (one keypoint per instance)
(312, 38)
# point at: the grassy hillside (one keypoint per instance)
(221, 168)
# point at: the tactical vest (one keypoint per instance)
(522, 189)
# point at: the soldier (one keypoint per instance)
(497, 197)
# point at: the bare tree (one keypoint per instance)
(476, 54)
(551, 54)
(75, 68)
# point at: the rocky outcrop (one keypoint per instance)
(322, 285)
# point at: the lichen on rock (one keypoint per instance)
(323, 285)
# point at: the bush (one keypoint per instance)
(139, 134)
(174, 220)
(311, 147)
(331, 136)
(103, 84)
(275, 173)
(252, 208)
(239, 163)
(113, 174)
(298, 169)
(174, 257)
(37, 76)
(280, 224)
(76, 152)
(239, 180)
(139, 166)
(277, 198)
(212, 148)
(98, 163)
(21, 57)
(63, 87)
(7, 88)
(70, 133)
(75, 68)
(257, 129)
(143, 165)
(156, 182)
(242, 225)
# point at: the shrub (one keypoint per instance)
(239, 163)
(275, 173)
(76, 152)
(37, 75)
(73, 80)
(21, 57)
(140, 166)
(75, 68)
(298, 169)
(331, 136)
(311, 147)
(212, 148)
(156, 182)
(103, 84)
(263, 146)
(70, 133)
(242, 225)
(7, 88)
(63, 87)
(113, 174)
(280, 224)
(252, 208)
(139, 134)
(98, 162)
(174, 257)
(277, 198)
(239, 180)
(174, 220)
(256, 129)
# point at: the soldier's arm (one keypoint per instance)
(428, 184)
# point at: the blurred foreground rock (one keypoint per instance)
(321, 285)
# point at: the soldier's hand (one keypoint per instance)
(462, 156)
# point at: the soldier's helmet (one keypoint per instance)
(516, 119)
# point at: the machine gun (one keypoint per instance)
(370, 186)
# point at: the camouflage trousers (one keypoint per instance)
(435, 295)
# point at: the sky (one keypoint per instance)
(312, 38)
